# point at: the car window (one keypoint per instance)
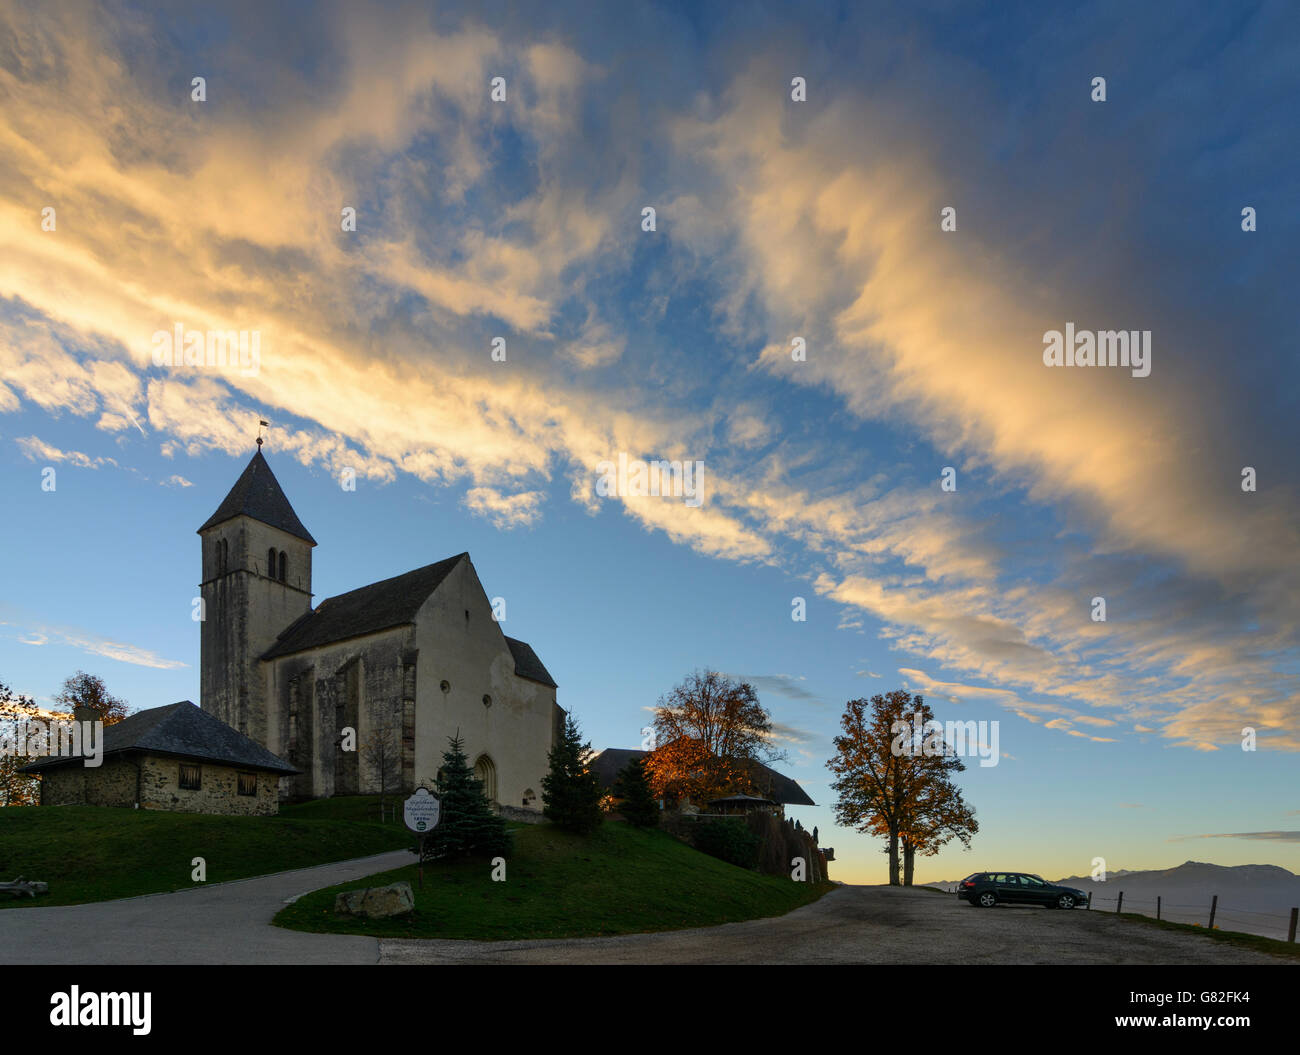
(1009, 880)
(1032, 881)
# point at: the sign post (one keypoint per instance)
(422, 811)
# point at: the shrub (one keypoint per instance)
(467, 827)
(571, 791)
(638, 805)
(727, 840)
(771, 843)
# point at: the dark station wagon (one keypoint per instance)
(987, 889)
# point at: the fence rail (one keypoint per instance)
(1211, 915)
(1207, 914)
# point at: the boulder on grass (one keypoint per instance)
(376, 902)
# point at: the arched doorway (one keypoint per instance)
(485, 772)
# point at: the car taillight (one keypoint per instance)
(969, 882)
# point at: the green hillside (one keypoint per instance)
(620, 880)
(91, 853)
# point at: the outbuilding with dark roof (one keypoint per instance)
(175, 757)
(773, 786)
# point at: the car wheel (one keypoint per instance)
(1065, 901)
(988, 899)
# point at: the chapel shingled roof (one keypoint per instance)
(379, 606)
(184, 731)
(527, 665)
(382, 606)
(257, 494)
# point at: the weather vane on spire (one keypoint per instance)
(260, 424)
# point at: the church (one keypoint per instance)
(403, 664)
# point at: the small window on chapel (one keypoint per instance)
(283, 561)
(248, 783)
(270, 563)
(191, 777)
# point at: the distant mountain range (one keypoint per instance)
(1254, 898)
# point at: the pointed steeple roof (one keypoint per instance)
(257, 494)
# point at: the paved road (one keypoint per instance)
(230, 923)
(221, 923)
(860, 924)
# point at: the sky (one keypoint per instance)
(775, 218)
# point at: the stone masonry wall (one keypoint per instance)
(110, 784)
(218, 791)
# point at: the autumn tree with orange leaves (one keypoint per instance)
(16, 789)
(88, 690)
(938, 814)
(888, 786)
(711, 730)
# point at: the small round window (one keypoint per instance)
(487, 700)
(445, 686)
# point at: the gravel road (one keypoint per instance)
(230, 923)
(867, 924)
(220, 923)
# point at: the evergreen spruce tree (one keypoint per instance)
(467, 826)
(571, 792)
(638, 804)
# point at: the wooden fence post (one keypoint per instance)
(1214, 904)
(1157, 906)
(1119, 904)
(1290, 936)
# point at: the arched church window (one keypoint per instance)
(283, 563)
(486, 774)
(270, 563)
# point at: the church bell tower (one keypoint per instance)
(256, 583)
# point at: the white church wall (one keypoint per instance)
(461, 644)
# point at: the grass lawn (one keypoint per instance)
(93, 853)
(621, 880)
(1232, 937)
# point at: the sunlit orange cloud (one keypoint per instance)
(953, 339)
(840, 235)
(226, 219)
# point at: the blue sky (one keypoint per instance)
(522, 219)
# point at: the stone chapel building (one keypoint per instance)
(406, 662)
